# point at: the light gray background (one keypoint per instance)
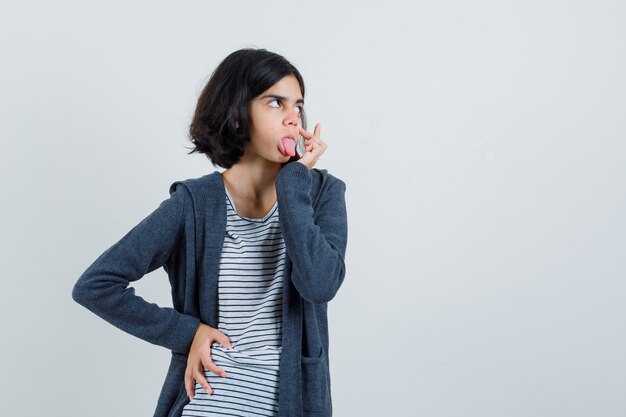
(482, 144)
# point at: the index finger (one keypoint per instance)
(305, 133)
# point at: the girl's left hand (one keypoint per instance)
(314, 145)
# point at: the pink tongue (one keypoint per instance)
(289, 146)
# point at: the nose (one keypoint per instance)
(292, 118)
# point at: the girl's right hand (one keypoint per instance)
(314, 146)
(200, 358)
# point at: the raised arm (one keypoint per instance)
(103, 287)
(315, 241)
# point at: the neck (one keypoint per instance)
(252, 179)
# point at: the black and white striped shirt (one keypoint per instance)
(250, 314)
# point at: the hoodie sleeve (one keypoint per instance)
(103, 287)
(315, 241)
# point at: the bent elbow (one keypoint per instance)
(85, 290)
(80, 292)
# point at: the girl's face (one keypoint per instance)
(274, 114)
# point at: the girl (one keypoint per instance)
(253, 255)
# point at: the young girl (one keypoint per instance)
(253, 255)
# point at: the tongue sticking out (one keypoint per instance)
(288, 146)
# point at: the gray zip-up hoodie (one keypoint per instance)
(185, 235)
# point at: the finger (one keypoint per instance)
(318, 149)
(304, 133)
(223, 339)
(203, 382)
(209, 365)
(317, 130)
(189, 384)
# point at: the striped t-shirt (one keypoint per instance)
(250, 292)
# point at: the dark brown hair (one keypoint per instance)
(223, 103)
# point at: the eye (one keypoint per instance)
(300, 108)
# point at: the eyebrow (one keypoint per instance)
(280, 98)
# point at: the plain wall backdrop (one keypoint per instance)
(483, 148)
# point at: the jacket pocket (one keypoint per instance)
(315, 383)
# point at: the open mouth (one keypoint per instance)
(288, 146)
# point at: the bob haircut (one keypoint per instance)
(220, 125)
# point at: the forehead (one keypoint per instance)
(287, 89)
